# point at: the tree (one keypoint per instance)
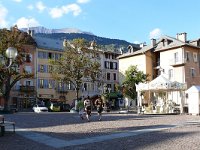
(78, 62)
(132, 76)
(9, 76)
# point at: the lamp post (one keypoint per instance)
(6, 62)
(11, 54)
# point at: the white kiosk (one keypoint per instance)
(193, 99)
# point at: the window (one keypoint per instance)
(106, 55)
(28, 69)
(50, 69)
(50, 84)
(111, 65)
(195, 57)
(40, 54)
(170, 73)
(41, 68)
(176, 57)
(28, 58)
(115, 65)
(69, 85)
(28, 83)
(85, 86)
(108, 76)
(187, 56)
(192, 72)
(50, 55)
(41, 83)
(107, 64)
(114, 76)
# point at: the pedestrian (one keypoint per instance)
(80, 106)
(99, 105)
(87, 105)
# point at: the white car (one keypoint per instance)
(39, 108)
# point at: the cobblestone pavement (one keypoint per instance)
(184, 132)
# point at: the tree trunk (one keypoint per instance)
(6, 95)
(77, 90)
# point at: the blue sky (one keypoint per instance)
(131, 20)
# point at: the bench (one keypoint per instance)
(4, 123)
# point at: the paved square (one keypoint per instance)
(64, 131)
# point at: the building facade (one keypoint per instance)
(178, 59)
(49, 89)
(23, 94)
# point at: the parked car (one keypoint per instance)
(39, 108)
(65, 107)
(54, 107)
(13, 108)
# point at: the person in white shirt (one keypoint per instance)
(87, 106)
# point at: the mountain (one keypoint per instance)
(72, 33)
(41, 29)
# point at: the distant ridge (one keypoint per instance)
(41, 29)
(72, 33)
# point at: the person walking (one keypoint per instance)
(80, 106)
(99, 105)
(87, 106)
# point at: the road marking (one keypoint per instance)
(59, 143)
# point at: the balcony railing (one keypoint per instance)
(177, 61)
(27, 88)
(62, 90)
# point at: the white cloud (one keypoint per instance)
(155, 33)
(58, 12)
(30, 7)
(40, 6)
(27, 22)
(18, 1)
(83, 1)
(3, 14)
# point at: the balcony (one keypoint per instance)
(27, 88)
(62, 91)
(177, 62)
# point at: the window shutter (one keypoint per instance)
(38, 83)
(38, 68)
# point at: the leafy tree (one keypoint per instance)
(9, 76)
(132, 76)
(77, 63)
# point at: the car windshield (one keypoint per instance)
(40, 105)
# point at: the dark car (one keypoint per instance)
(65, 107)
(13, 108)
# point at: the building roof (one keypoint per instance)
(141, 51)
(48, 43)
(172, 44)
(194, 88)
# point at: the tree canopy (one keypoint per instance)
(9, 76)
(133, 76)
(78, 63)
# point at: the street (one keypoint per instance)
(66, 131)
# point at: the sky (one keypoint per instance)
(135, 21)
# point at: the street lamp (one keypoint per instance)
(11, 54)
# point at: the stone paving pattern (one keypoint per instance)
(68, 126)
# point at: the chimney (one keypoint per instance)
(130, 48)
(31, 32)
(142, 44)
(181, 36)
(153, 42)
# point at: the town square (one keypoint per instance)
(99, 74)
